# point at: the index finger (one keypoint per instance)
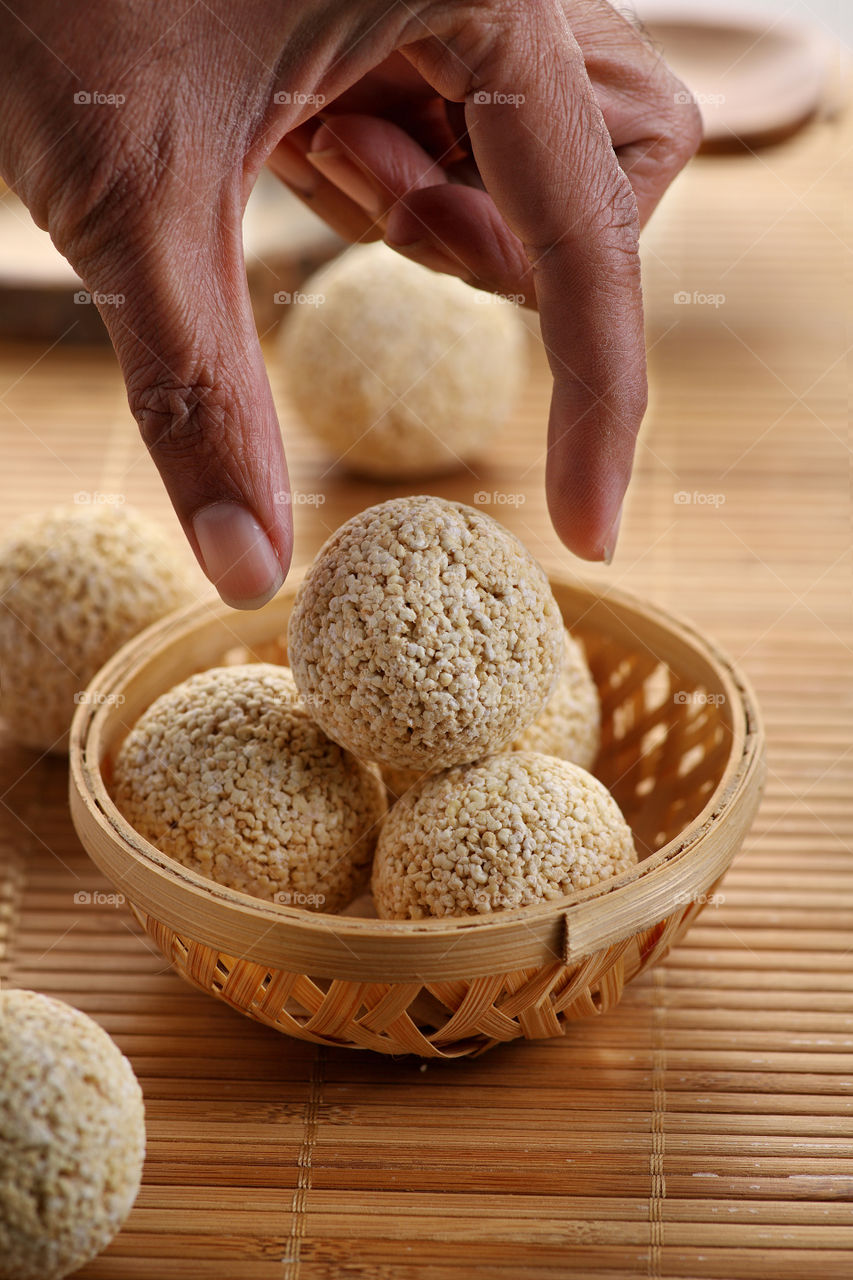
(547, 160)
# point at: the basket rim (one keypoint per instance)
(334, 946)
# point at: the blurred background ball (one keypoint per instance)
(400, 371)
(76, 582)
(72, 1137)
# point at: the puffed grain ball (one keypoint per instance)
(424, 634)
(509, 831)
(72, 1138)
(568, 726)
(401, 371)
(76, 583)
(229, 775)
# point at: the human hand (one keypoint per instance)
(145, 199)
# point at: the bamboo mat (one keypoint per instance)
(703, 1129)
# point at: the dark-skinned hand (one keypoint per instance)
(518, 145)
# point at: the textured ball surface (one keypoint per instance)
(72, 1138)
(229, 775)
(568, 726)
(424, 635)
(513, 830)
(76, 583)
(401, 371)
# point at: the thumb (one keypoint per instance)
(174, 298)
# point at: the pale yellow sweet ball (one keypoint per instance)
(425, 634)
(401, 371)
(568, 726)
(72, 1138)
(76, 582)
(228, 774)
(509, 831)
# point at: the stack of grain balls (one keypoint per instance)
(429, 664)
(424, 644)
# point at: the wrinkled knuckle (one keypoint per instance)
(615, 219)
(100, 207)
(621, 215)
(607, 228)
(177, 421)
(682, 135)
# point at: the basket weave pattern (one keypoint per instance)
(434, 1019)
(681, 751)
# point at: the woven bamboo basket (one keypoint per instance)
(682, 751)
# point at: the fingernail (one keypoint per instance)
(352, 180)
(288, 162)
(426, 253)
(237, 555)
(612, 538)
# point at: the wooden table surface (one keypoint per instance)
(703, 1129)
